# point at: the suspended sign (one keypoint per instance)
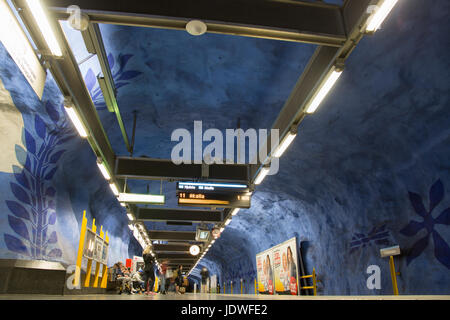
(220, 195)
(20, 49)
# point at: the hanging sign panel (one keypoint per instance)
(20, 49)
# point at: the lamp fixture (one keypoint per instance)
(262, 174)
(288, 138)
(379, 14)
(75, 119)
(114, 189)
(327, 84)
(235, 211)
(141, 198)
(103, 169)
(194, 250)
(196, 27)
(43, 23)
(130, 217)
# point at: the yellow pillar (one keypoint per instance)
(224, 290)
(76, 280)
(255, 288)
(314, 282)
(87, 280)
(105, 268)
(393, 275)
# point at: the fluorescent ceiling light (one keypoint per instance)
(76, 121)
(42, 21)
(130, 226)
(221, 229)
(130, 216)
(262, 174)
(284, 144)
(228, 222)
(114, 189)
(103, 169)
(377, 18)
(141, 198)
(235, 211)
(324, 88)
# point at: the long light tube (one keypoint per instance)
(141, 198)
(114, 189)
(262, 174)
(285, 143)
(323, 90)
(42, 21)
(377, 18)
(228, 222)
(103, 169)
(235, 211)
(76, 121)
(130, 216)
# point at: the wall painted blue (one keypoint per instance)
(373, 159)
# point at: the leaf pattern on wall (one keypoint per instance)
(377, 235)
(33, 209)
(441, 248)
(121, 78)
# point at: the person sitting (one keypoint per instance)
(137, 280)
(123, 275)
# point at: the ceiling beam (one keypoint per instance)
(157, 169)
(171, 248)
(176, 256)
(171, 235)
(156, 214)
(316, 23)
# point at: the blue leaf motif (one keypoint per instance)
(53, 238)
(21, 154)
(412, 228)
(30, 142)
(436, 194)
(27, 164)
(121, 84)
(20, 193)
(52, 112)
(123, 60)
(49, 175)
(55, 253)
(441, 250)
(444, 217)
(90, 80)
(22, 179)
(19, 227)
(129, 75)
(18, 210)
(16, 245)
(52, 218)
(111, 60)
(55, 157)
(40, 127)
(417, 204)
(417, 249)
(65, 139)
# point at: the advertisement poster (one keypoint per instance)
(265, 272)
(286, 267)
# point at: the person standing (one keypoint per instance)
(179, 279)
(205, 276)
(149, 274)
(162, 277)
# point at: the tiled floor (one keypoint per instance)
(191, 296)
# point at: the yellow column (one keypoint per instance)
(76, 280)
(97, 265)
(105, 268)
(255, 288)
(314, 282)
(87, 280)
(393, 275)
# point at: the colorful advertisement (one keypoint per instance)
(265, 272)
(277, 269)
(286, 267)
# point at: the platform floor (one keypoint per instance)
(192, 296)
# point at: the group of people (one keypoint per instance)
(143, 281)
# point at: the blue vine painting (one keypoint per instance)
(34, 209)
(428, 223)
(120, 77)
(378, 236)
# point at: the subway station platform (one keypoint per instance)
(192, 296)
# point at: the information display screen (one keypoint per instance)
(222, 195)
(221, 200)
(89, 244)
